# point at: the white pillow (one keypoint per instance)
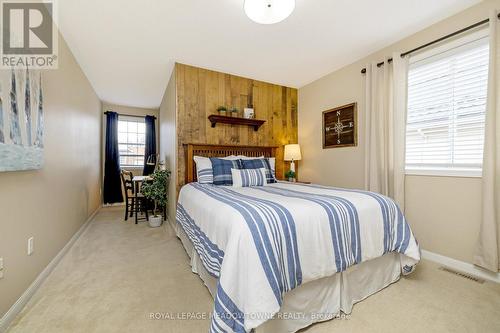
(243, 157)
(204, 172)
(249, 177)
(230, 157)
(272, 163)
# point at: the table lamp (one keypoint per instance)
(292, 153)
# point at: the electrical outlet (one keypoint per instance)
(1, 268)
(30, 246)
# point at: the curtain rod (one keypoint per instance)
(475, 25)
(128, 115)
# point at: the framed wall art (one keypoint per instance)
(340, 127)
(21, 120)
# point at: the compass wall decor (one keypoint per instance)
(340, 127)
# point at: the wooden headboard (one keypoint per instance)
(210, 150)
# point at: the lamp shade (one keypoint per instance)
(292, 152)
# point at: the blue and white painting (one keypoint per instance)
(21, 120)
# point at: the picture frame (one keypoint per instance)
(21, 120)
(340, 126)
(248, 113)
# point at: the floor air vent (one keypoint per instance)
(464, 275)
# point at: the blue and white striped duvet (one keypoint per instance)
(261, 242)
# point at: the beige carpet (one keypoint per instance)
(118, 273)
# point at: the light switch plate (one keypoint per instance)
(30, 246)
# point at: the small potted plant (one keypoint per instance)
(234, 112)
(156, 190)
(222, 110)
(290, 175)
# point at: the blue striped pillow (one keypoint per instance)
(249, 177)
(260, 163)
(222, 170)
(205, 176)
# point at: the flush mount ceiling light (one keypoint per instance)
(268, 11)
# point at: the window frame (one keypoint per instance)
(473, 39)
(137, 119)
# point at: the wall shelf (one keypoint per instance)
(255, 123)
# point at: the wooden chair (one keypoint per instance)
(140, 203)
(128, 187)
(131, 205)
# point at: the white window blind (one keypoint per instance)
(131, 141)
(446, 108)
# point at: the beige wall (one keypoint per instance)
(133, 111)
(168, 142)
(51, 204)
(444, 212)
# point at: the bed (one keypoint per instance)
(280, 257)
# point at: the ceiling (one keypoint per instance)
(128, 48)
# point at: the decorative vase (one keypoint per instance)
(155, 221)
(222, 113)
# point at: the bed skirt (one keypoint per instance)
(319, 300)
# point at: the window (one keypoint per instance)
(131, 141)
(446, 109)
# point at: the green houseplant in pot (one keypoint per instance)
(156, 191)
(234, 112)
(290, 175)
(222, 110)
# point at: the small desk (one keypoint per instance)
(138, 180)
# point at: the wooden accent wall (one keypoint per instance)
(199, 93)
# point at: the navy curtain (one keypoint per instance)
(112, 180)
(150, 149)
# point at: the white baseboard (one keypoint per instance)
(461, 266)
(15, 309)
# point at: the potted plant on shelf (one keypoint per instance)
(156, 190)
(234, 112)
(222, 110)
(290, 175)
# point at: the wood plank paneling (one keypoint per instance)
(199, 93)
